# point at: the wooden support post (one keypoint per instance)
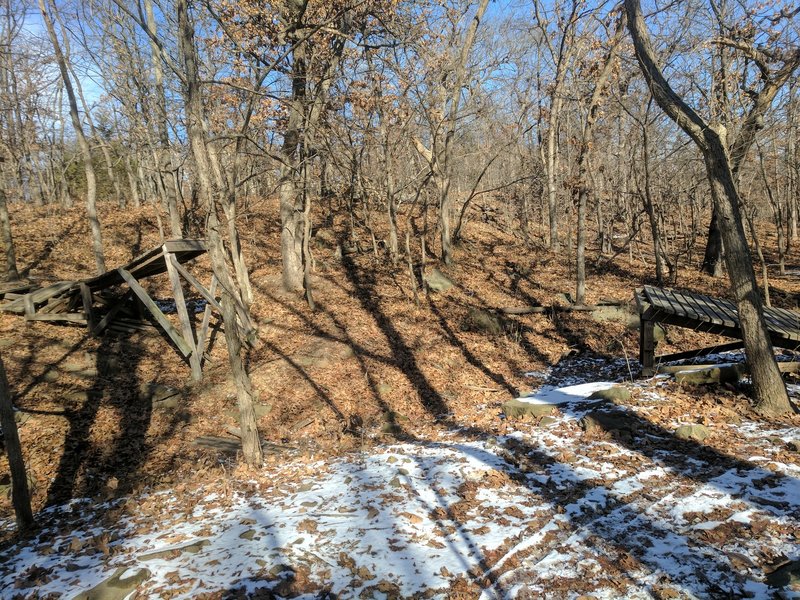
(30, 308)
(192, 280)
(88, 313)
(152, 307)
(203, 333)
(183, 315)
(647, 346)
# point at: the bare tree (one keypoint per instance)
(83, 142)
(581, 186)
(711, 139)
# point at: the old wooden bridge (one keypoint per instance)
(703, 313)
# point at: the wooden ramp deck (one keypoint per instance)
(703, 313)
(90, 302)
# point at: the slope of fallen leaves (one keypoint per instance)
(368, 364)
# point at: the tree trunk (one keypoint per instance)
(551, 165)
(649, 206)
(164, 154)
(8, 240)
(712, 258)
(584, 177)
(580, 250)
(445, 157)
(251, 444)
(20, 495)
(768, 387)
(83, 144)
(770, 391)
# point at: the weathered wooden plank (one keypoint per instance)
(791, 317)
(692, 311)
(56, 305)
(789, 321)
(150, 263)
(700, 352)
(776, 325)
(783, 367)
(15, 287)
(48, 292)
(727, 319)
(776, 322)
(159, 316)
(666, 303)
(38, 296)
(185, 246)
(183, 315)
(30, 307)
(714, 315)
(727, 308)
(192, 280)
(68, 317)
(88, 301)
(706, 309)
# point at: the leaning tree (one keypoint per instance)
(775, 64)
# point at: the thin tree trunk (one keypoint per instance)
(164, 154)
(444, 159)
(83, 144)
(251, 444)
(104, 148)
(584, 178)
(551, 166)
(132, 183)
(757, 245)
(20, 494)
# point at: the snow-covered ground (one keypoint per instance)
(542, 511)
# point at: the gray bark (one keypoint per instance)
(169, 183)
(8, 239)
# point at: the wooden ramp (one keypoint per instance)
(90, 302)
(703, 313)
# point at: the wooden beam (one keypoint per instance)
(88, 300)
(192, 280)
(783, 367)
(701, 351)
(647, 346)
(203, 333)
(159, 316)
(30, 307)
(183, 315)
(69, 317)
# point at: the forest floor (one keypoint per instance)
(390, 469)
